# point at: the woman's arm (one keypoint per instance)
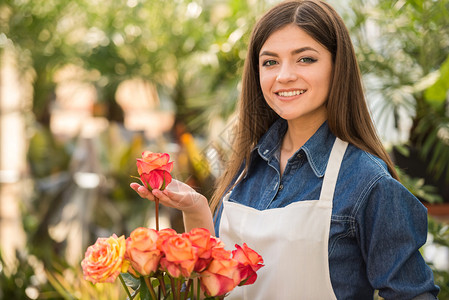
(194, 206)
(392, 227)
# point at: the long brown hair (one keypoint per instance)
(348, 114)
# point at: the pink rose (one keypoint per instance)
(170, 267)
(154, 161)
(220, 277)
(154, 170)
(156, 179)
(104, 260)
(142, 251)
(249, 262)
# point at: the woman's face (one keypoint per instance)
(295, 74)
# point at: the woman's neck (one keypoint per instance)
(295, 137)
(298, 134)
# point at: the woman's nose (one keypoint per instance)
(286, 73)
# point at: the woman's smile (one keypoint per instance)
(289, 94)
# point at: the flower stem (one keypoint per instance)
(125, 286)
(150, 287)
(198, 290)
(186, 293)
(173, 287)
(156, 201)
(162, 284)
(178, 288)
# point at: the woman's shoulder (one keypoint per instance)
(362, 174)
(364, 179)
(363, 163)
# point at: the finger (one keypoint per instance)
(142, 191)
(164, 199)
(134, 186)
(173, 196)
(185, 200)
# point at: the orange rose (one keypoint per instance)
(221, 277)
(218, 242)
(221, 253)
(249, 262)
(154, 170)
(163, 235)
(104, 260)
(141, 250)
(154, 161)
(179, 252)
(202, 241)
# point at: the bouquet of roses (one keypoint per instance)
(157, 264)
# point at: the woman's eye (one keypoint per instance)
(269, 63)
(307, 60)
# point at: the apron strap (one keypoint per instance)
(332, 170)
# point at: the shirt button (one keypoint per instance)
(281, 187)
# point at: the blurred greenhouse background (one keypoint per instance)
(87, 85)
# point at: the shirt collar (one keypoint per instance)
(317, 148)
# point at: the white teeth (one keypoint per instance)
(291, 93)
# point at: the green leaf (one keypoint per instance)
(436, 93)
(130, 280)
(144, 292)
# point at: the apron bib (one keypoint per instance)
(292, 240)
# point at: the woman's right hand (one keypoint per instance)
(177, 195)
(194, 206)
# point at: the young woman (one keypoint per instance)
(309, 185)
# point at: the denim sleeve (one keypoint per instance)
(392, 226)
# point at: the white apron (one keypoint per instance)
(292, 240)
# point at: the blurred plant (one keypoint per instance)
(403, 50)
(418, 188)
(440, 237)
(69, 284)
(83, 184)
(433, 128)
(25, 281)
(191, 50)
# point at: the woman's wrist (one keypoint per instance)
(199, 216)
(199, 205)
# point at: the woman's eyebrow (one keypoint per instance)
(296, 51)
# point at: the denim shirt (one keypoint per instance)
(377, 225)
